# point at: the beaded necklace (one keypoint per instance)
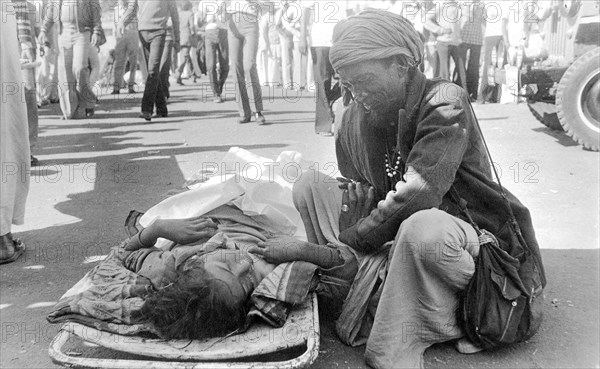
(394, 167)
(392, 171)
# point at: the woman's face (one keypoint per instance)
(237, 270)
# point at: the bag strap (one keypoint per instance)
(462, 203)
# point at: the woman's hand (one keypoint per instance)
(280, 249)
(357, 202)
(186, 231)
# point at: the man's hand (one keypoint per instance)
(27, 53)
(120, 29)
(357, 202)
(303, 46)
(43, 39)
(95, 40)
(176, 46)
(186, 231)
(280, 249)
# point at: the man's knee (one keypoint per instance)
(428, 236)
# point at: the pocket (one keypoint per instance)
(506, 287)
(505, 305)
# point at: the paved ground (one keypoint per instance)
(94, 171)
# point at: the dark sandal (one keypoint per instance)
(19, 249)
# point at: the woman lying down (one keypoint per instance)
(224, 269)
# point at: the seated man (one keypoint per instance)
(416, 142)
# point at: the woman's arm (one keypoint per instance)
(181, 231)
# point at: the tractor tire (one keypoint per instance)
(578, 100)
(546, 114)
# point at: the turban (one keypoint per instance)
(374, 34)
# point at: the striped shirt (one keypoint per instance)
(23, 14)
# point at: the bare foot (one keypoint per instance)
(10, 250)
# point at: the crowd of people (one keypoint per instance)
(280, 43)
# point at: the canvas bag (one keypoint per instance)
(503, 303)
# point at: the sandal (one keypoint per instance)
(18, 248)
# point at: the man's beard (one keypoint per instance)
(381, 118)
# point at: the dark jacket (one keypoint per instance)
(439, 140)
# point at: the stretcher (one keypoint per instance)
(301, 331)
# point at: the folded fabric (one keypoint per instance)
(260, 187)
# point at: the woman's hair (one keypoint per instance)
(192, 308)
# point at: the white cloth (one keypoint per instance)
(14, 132)
(260, 187)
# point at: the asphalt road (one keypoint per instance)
(94, 171)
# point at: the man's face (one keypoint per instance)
(377, 87)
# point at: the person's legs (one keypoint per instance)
(324, 115)
(81, 71)
(473, 70)
(185, 58)
(459, 64)
(428, 267)
(263, 67)
(275, 64)
(93, 67)
(223, 56)
(300, 62)
(162, 92)
(120, 60)
(153, 43)
(488, 47)
(32, 109)
(132, 55)
(250, 32)
(211, 45)
(286, 60)
(66, 79)
(443, 61)
(236, 46)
